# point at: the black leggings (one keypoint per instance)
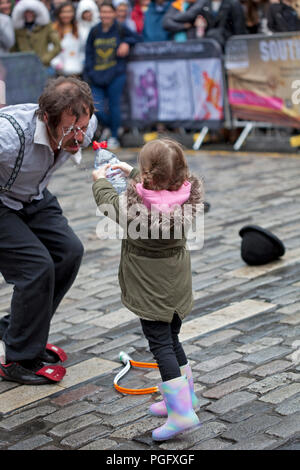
(165, 346)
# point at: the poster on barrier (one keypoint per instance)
(176, 83)
(23, 78)
(263, 78)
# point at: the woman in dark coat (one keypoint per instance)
(282, 17)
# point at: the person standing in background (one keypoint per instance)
(282, 16)
(34, 32)
(7, 34)
(123, 14)
(5, 7)
(180, 16)
(153, 29)
(87, 16)
(107, 47)
(68, 61)
(138, 14)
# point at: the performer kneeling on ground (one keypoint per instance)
(39, 252)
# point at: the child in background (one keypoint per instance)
(87, 16)
(155, 273)
(69, 61)
(123, 12)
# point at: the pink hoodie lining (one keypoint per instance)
(164, 200)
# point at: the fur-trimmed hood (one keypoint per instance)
(133, 205)
(42, 14)
(89, 5)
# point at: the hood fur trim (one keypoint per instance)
(130, 201)
(90, 5)
(42, 14)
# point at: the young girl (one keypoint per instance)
(69, 60)
(155, 273)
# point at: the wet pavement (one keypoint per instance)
(242, 337)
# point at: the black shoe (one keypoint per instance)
(24, 373)
(49, 357)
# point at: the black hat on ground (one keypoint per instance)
(260, 246)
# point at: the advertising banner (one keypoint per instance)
(176, 83)
(262, 76)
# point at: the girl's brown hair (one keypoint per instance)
(163, 165)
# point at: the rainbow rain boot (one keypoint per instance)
(181, 415)
(159, 408)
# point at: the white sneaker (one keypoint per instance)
(113, 143)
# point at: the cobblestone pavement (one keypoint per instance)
(242, 337)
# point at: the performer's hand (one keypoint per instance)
(100, 172)
(125, 167)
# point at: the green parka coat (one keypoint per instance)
(154, 274)
(40, 36)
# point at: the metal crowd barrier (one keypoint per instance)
(192, 84)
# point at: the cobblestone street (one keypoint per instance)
(242, 337)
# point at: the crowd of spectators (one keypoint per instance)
(152, 20)
(92, 38)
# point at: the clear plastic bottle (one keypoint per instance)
(104, 156)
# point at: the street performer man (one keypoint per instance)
(39, 253)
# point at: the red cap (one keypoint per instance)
(99, 145)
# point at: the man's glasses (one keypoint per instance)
(73, 129)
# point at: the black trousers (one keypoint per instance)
(165, 346)
(40, 255)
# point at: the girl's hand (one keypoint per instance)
(101, 172)
(124, 167)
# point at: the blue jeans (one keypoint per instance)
(107, 102)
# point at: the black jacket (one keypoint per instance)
(282, 18)
(175, 18)
(229, 20)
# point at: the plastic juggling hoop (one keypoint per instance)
(128, 362)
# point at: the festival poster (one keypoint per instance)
(207, 89)
(174, 91)
(143, 90)
(262, 78)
